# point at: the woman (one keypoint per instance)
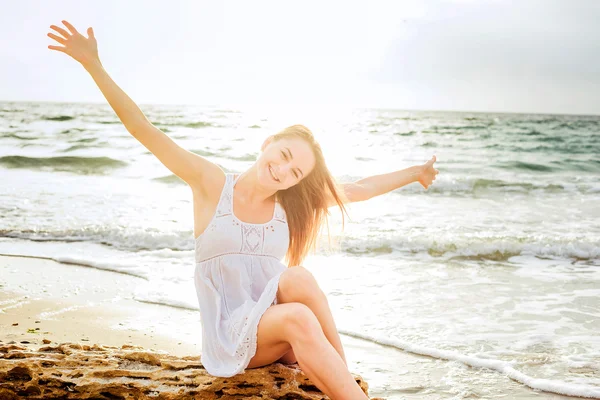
(254, 309)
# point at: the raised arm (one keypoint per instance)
(188, 166)
(376, 185)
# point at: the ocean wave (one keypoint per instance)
(166, 298)
(76, 147)
(471, 186)
(556, 139)
(443, 131)
(170, 179)
(409, 133)
(518, 186)
(121, 267)
(132, 239)
(533, 132)
(521, 165)
(492, 248)
(198, 124)
(192, 124)
(58, 118)
(578, 125)
(82, 165)
(206, 153)
(84, 140)
(117, 266)
(15, 136)
(537, 120)
(72, 130)
(571, 164)
(504, 367)
(364, 159)
(567, 148)
(457, 129)
(499, 248)
(245, 157)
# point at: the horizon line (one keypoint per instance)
(334, 106)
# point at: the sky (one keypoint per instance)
(531, 56)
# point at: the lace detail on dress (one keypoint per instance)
(253, 238)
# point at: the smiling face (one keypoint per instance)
(284, 162)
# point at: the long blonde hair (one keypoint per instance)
(305, 203)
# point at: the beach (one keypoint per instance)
(485, 285)
(42, 299)
(466, 136)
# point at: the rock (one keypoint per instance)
(75, 371)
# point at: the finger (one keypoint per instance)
(90, 33)
(58, 48)
(61, 31)
(70, 27)
(57, 38)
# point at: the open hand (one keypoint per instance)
(82, 49)
(428, 173)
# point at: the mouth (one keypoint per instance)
(273, 174)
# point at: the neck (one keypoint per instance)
(248, 188)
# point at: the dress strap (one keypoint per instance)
(234, 179)
(224, 205)
(229, 184)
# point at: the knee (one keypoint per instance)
(298, 283)
(301, 322)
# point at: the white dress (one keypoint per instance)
(238, 266)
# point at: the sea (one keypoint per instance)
(495, 266)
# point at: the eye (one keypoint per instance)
(285, 157)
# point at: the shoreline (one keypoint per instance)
(90, 306)
(102, 310)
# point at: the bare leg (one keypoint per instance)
(297, 284)
(295, 325)
(319, 360)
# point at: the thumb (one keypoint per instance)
(90, 33)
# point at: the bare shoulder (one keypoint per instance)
(208, 184)
(206, 190)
